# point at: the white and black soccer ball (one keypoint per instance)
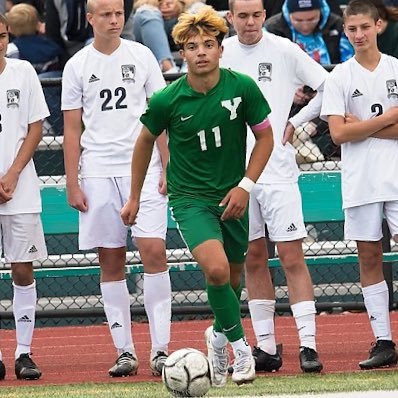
(186, 373)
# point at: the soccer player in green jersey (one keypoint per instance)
(206, 113)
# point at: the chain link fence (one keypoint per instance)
(68, 281)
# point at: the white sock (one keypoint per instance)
(304, 315)
(262, 315)
(24, 308)
(218, 339)
(116, 298)
(376, 302)
(157, 302)
(241, 345)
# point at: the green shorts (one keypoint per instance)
(198, 222)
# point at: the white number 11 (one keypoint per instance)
(202, 138)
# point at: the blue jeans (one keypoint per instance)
(149, 29)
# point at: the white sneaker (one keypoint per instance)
(156, 363)
(218, 359)
(126, 365)
(244, 368)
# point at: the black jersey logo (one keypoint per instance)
(392, 88)
(264, 71)
(128, 73)
(13, 97)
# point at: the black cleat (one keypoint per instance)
(26, 369)
(382, 354)
(125, 365)
(266, 362)
(309, 360)
(2, 371)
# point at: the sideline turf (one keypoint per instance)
(263, 386)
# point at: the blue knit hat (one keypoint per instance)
(303, 5)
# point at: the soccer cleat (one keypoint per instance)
(126, 365)
(381, 354)
(309, 360)
(266, 362)
(218, 360)
(26, 369)
(244, 368)
(156, 363)
(2, 371)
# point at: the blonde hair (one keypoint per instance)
(23, 19)
(205, 23)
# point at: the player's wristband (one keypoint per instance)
(247, 184)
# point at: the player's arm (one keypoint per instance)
(141, 157)
(9, 181)
(306, 114)
(72, 134)
(390, 132)
(350, 129)
(237, 198)
(161, 143)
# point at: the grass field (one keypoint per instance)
(263, 386)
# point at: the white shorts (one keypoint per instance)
(102, 226)
(278, 206)
(364, 222)
(22, 238)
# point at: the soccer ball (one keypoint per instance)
(186, 373)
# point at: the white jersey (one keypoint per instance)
(112, 91)
(279, 67)
(21, 103)
(370, 166)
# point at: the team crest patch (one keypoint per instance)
(13, 97)
(128, 73)
(392, 88)
(264, 71)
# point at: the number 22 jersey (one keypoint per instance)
(112, 90)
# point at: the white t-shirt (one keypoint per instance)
(279, 67)
(112, 90)
(370, 166)
(21, 103)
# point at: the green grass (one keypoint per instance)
(263, 386)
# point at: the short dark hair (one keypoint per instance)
(366, 7)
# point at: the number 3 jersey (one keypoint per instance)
(112, 91)
(370, 166)
(21, 103)
(207, 133)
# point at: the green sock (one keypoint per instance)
(226, 308)
(238, 292)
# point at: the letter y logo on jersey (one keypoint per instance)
(232, 106)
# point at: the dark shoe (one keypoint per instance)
(309, 360)
(125, 365)
(381, 354)
(2, 371)
(26, 369)
(156, 363)
(266, 362)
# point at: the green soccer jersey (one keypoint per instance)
(207, 133)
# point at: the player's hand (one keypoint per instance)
(77, 199)
(162, 188)
(236, 202)
(288, 134)
(4, 195)
(8, 183)
(129, 212)
(350, 118)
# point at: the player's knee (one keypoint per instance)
(217, 275)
